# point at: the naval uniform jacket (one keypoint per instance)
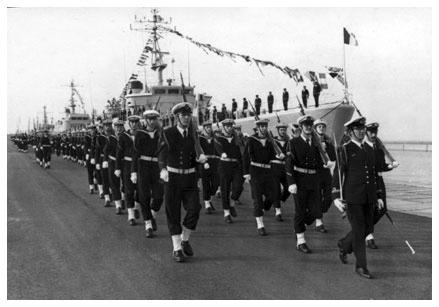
(257, 156)
(110, 148)
(302, 163)
(101, 141)
(87, 144)
(125, 148)
(358, 168)
(230, 147)
(145, 147)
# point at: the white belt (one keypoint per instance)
(147, 158)
(261, 165)
(112, 158)
(212, 157)
(181, 171)
(305, 170)
(128, 158)
(229, 160)
(277, 161)
(47, 145)
(102, 155)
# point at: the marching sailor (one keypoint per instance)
(100, 138)
(278, 168)
(303, 161)
(324, 174)
(229, 169)
(360, 193)
(257, 169)
(145, 170)
(124, 159)
(102, 141)
(381, 166)
(46, 149)
(209, 177)
(178, 164)
(88, 138)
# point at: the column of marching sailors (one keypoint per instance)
(143, 167)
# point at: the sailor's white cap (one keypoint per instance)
(151, 114)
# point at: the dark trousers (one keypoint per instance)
(270, 108)
(231, 182)
(262, 185)
(325, 179)
(98, 174)
(105, 180)
(90, 170)
(149, 187)
(182, 190)
(258, 109)
(285, 102)
(47, 152)
(210, 179)
(114, 181)
(307, 207)
(305, 101)
(378, 214)
(128, 185)
(316, 99)
(280, 184)
(361, 219)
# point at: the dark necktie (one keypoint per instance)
(309, 142)
(185, 133)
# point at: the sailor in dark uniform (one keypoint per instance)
(278, 168)
(303, 162)
(230, 169)
(102, 141)
(88, 138)
(381, 166)
(209, 176)
(110, 156)
(124, 159)
(46, 149)
(178, 164)
(258, 154)
(145, 168)
(324, 174)
(98, 157)
(360, 193)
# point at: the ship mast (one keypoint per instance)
(72, 98)
(152, 27)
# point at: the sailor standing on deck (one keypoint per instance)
(324, 174)
(360, 193)
(124, 159)
(278, 168)
(145, 168)
(381, 166)
(303, 161)
(178, 164)
(229, 169)
(257, 169)
(209, 176)
(114, 174)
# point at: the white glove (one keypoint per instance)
(247, 177)
(98, 166)
(280, 156)
(292, 189)
(34, 147)
(206, 166)
(340, 204)
(245, 134)
(92, 161)
(105, 164)
(395, 164)
(202, 158)
(164, 175)
(331, 166)
(223, 155)
(117, 173)
(134, 177)
(82, 146)
(380, 204)
(87, 156)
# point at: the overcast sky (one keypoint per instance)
(389, 72)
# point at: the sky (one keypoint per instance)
(389, 73)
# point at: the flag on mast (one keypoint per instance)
(349, 38)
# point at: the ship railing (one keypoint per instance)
(409, 146)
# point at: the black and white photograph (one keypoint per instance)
(226, 151)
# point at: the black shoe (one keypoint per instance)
(178, 256)
(262, 232)
(279, 218)
(209, 210)
(321, 229)
(228, 219)
(187, 248)
(92, 191)
(363, 273)
(107, 204)
(133, 222)
(101, 196)
(149, 233)
(371, 244)
(136, 214)
(303, 248)
(342, 253)
(233, 212)
(154, 224)
(118, 211)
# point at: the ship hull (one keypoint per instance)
(335, 115)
